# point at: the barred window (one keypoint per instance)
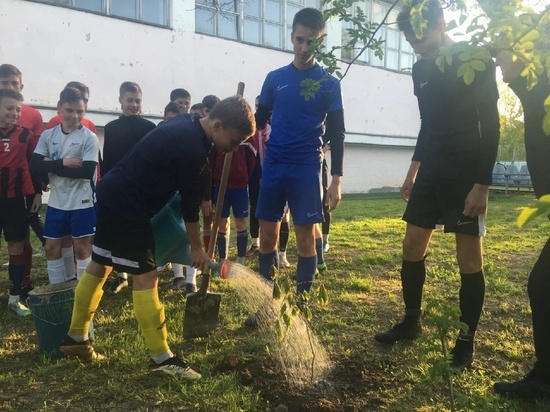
(263, 22)
(398, 54)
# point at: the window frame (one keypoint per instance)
(284, 26)
(106, 8)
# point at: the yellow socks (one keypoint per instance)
(150, 316)
(87, 295)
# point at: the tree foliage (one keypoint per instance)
(493, 26)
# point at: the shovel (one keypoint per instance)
(203, 307)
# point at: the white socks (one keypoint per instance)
(56, 270)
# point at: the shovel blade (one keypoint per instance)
(201, 314)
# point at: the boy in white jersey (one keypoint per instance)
(69, 153)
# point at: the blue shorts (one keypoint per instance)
(437, 201)
(299, 185)
(236, 199)
(77, 223)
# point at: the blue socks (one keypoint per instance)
(265, 261)
(305, 273)
(242, 243)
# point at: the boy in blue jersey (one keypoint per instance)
(168, 159)
(292, 164)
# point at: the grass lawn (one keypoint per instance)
(239, 371)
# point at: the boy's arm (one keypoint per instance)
(35, 175)
(107, 163)
(85, 172)
(335, 134)
(38, 164)
(489, 124)
(262, 115)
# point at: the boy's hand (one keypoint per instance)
(334, 194)
(476, 201)
(36, 203)
(72, 163)
(406, 189)
(199, 258)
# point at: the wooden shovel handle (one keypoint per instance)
(219, 205)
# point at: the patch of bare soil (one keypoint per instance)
(349, 387)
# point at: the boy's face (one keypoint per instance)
(196, 111)
(302, 38)
(226, 140)
(170, 116)
(429, 45)
(10, 111)
(131, 103)
(184, 102)
(72, 114)
(11, 82)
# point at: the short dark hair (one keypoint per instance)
(80, 86)
(129, 87)
(210, 101)
(177, 93)
(71, 95)
(7, 70)
(197, 106)
(310, 18)
(173, 107)
(10, 94)
(235, 113)
(431, 11)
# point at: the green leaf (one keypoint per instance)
(469, 76)
(541, 208)
(478, 65)
(530, 36)
(546, 121)
(462, 69)
(276, 291)
(323, 295)
(287, 320)
(306, 311)
(464, 56)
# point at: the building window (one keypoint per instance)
(398, 54)
(264, 22)
(148, 11)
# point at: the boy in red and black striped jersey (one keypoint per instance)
(30, 118)
(15, 184)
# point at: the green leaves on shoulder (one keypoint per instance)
(474, 59)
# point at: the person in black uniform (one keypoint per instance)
(536, 384)
(169, 159)
(120, 136)
(449, 177)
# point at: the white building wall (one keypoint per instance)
(54, 45)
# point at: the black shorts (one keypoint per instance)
(126, 245)
(436, 201)
(13, 219)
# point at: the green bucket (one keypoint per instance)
(52, 307)
(171, 241)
